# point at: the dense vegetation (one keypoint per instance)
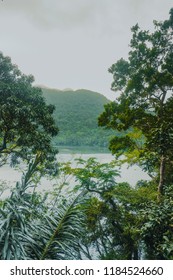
(26, 122)
(94, 216)
(146, 102)
(144, 113)
(76, 115)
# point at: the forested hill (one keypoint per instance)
(76, 115)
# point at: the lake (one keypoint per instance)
(130, 175)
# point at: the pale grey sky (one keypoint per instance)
(72, 43)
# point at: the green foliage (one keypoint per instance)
(98, 219)
(76, 116)
(157, 230)
(101, 218)
(114, 216)
(145, 104)
(26, 122)
(143, 112)
(30, 228)
(122, 222)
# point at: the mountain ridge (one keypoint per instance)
(76, 115)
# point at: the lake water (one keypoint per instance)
(130, 175)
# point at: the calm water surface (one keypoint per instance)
(130, 175)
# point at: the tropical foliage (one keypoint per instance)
(143, 112)
(30, 228)
(26, 122)
(144, 109)
(93, 215)
(121, 222)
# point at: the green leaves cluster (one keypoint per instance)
(26, 122)
(144, 109)
(114, 211)
(157, 230)
(143, 113)
(30, 228)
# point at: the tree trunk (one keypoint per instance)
(162, 174)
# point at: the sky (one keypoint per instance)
(72, 43)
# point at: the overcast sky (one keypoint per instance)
(72, 43)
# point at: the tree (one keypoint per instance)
(144, 110)
(26, 122)
(115, 212)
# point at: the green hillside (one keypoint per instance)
(76, 116)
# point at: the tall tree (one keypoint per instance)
(144, 109)
(26, 122)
